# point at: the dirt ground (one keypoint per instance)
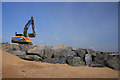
(14, 67)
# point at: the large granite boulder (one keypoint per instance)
(59, 52)
(48, 52)
(99, 60)
(26, 47)
(37, 50)
(113, 63)
(97, 64)
(12, 47)
(54, 60)
(88, 59)
(32, 57)
(70, 53)
(42, 51)
(59, 60)
(81, 52)
(18, 53)
(75, 61)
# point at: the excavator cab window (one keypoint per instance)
(19, 34)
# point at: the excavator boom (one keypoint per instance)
(31, 21)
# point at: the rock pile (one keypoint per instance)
(68, 55)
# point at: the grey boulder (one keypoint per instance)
(88, 59)
(113, 63)
(60, 52)
(97, 64)
(31, 57)
(48, 52)
(59, 60)
(18, 53)
(70, 53)
(80, 52)
(75, 61)
(26, 47)
(37, 50)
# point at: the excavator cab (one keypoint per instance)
(24, 38)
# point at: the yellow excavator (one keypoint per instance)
(24, 38)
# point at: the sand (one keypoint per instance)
(14, 67)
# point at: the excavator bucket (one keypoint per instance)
(31, 34)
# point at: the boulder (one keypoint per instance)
(12, 48)
(75, 61)
(48, 60)
(42, 51)
(113, 63)
(60, 52)
(18, 53)
(99, 60)
(54, 60)
(88, 59)
(97, 64)
(102, 57)
(48, 52)
(26, 47)
(70, 53)
(37, 50)
(59, 60)
(80, 52)
(32, 57)
(99, 57)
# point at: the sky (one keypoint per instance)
(92, 25)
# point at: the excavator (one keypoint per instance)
(24, 38)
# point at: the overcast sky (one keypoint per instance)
(77, 24)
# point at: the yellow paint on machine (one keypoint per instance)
(26, 38)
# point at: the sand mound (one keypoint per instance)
(14, 67)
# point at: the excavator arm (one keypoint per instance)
(31, 21)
